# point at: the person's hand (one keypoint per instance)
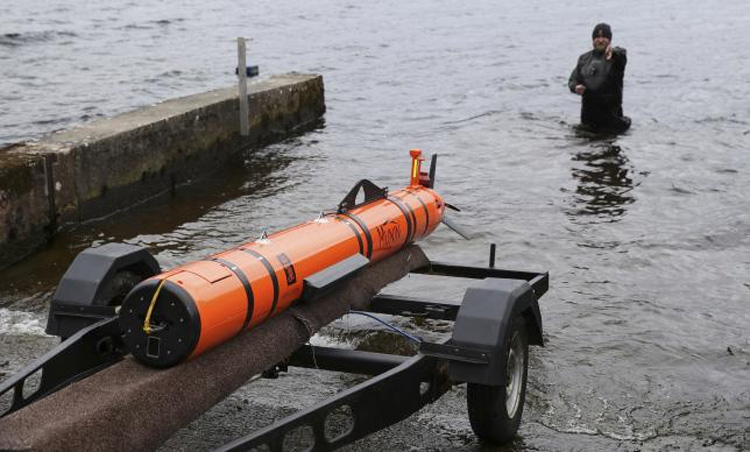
(580, 89)
(608, 52)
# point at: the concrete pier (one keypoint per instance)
(104, 166)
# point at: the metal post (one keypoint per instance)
(242, 74)
(492, 255)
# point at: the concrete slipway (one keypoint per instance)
(106, 165)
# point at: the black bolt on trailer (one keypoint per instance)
(494, 325)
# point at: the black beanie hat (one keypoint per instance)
(604, 29)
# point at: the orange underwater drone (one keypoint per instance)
(184, 312)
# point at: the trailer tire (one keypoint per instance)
(117, 287)
(495, 411)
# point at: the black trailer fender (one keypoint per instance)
(97, 281)
(482, 321)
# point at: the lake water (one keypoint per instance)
(646, 235)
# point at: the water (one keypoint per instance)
(645, 235)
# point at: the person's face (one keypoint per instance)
(601, 43)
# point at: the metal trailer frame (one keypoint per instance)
(399, 387)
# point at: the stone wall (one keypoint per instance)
(107, 165)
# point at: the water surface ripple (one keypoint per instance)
(646, 235)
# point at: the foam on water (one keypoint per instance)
(20, 323)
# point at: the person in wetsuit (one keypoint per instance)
(597, 78)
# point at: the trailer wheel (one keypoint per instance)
(117, 287)
(495, 411)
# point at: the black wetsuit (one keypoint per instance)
(601, 106)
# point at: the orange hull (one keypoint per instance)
(186, 311)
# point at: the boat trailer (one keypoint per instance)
(494, 324)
